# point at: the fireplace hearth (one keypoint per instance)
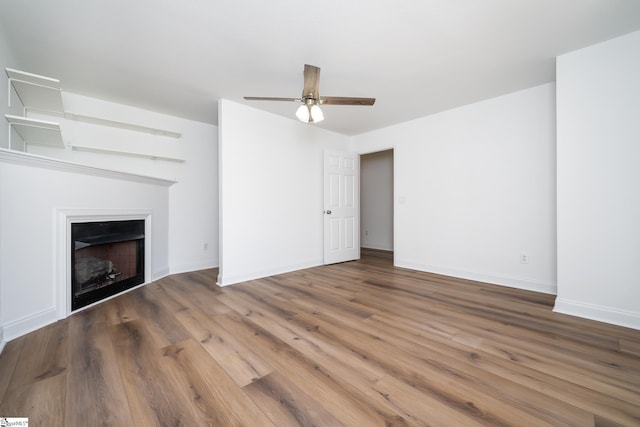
(106, 258)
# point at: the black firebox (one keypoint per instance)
(106, 258)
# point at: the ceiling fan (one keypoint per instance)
(309, 111)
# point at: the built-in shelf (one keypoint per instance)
(37, 92)
(126, 153)
(118, 124)
(28, 159)
(42, 94)
(33, 131)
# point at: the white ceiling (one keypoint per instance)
(415, 57)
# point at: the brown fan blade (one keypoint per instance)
(266, 98)
(345, 100)
(311, 81)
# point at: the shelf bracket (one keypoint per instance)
(10, 81)
(23, 124)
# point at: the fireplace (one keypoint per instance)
(106, 258)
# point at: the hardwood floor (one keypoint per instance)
(354, 344)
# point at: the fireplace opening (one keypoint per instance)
(106, 258)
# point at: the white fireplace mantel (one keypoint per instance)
(28, 159)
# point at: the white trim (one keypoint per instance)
(2, 341)
(108, 298)
(492, 278)
(186, 268)
(629, 319)
(28, 159)
(66, 217)
(157, 275)
(376, 247)
(29, 323)
(225, 281)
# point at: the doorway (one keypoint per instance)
(376, 202)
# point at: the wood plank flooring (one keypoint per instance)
(353, 344)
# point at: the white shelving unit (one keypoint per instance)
(43, 94)
(126, 153)
(36, 92)
(33, 131)
(122, 125)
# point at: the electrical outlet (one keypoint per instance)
(205, 246)
(524, 258)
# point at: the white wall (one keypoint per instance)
(598, 182)
(193, 205)
(185, 216)
(271, 192)
(6, 59)
(376, 200)
(193, 199)
(29, 199)
(475, 188)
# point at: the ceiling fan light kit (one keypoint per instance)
(309, 111)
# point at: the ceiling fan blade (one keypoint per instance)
(345, 100)
(267, 98)
(311, 81)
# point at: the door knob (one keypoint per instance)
(327, 212)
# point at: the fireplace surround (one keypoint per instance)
(96, 252)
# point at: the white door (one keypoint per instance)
(341, 207)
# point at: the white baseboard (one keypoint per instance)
(225, 280)
(2, 341)
(494, 279)
(376, 247)
(629, 319)
(27, 324)
(157, 275)
(185, 268)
